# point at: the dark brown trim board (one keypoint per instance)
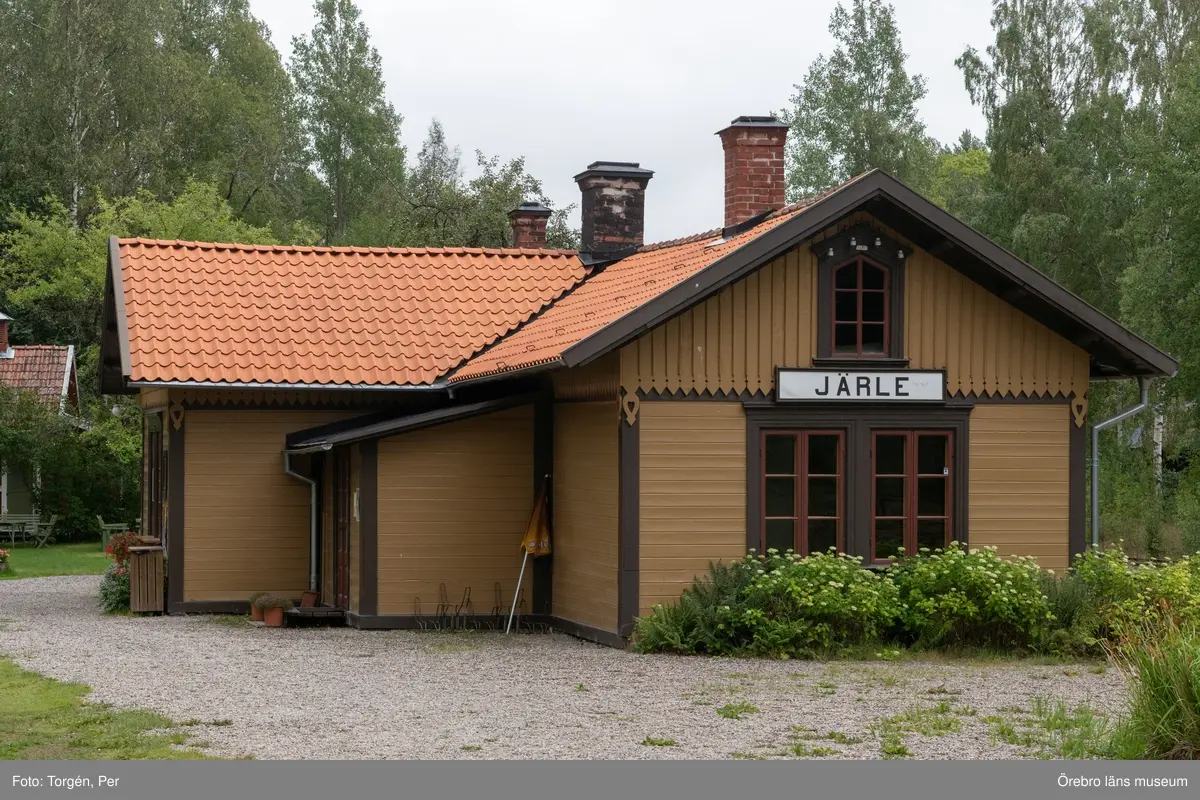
(591, 634)
(1077, 490)
(368, 528)
(543, 465)
(114, 326)
(1115, 350)
(856, 422)
(387, 424)
(628, 525)
(175, 502)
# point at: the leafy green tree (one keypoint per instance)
(352, 129)
(960, 181)
(857, 108)
(438, 207)
(86, 465)
(243, 131)
(52, 272)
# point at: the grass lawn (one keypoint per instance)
(42, 719)
(58, 559)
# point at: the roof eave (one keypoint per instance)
(827, 211)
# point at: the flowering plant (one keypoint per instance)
(956, 596)
(3, 556)
(118, 546)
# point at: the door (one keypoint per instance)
(341, 527)
(911, 487)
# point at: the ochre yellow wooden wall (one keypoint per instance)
(733, 341)
(1019, 480)
(693, 493)
(454, 501)
(985, 345)
(246, 523)
(585, 513)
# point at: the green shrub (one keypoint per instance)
(114, 588)
(825, 601)
(1162, 669)
(774, 605)
(1187, 511)
(1127, 594)
(976, 598)
(694, 624)
(1076, 627)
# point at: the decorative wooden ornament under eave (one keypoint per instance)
(176, 415)
(1079, 407)
(629, 407)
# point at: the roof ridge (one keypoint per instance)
(40, 346)
(299, 248)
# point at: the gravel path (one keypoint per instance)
(342, 693)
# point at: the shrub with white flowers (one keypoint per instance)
(955, 596)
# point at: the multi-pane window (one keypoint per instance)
(803, 475)
(911, 491)
(860, 309)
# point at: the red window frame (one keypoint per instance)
(800, 474)
(858, 323)
(910, 511)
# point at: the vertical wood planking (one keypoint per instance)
(733, 341)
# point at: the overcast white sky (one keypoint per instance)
(568, 82)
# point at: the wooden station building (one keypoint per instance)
(858, 370)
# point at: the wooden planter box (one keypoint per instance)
(146, 579)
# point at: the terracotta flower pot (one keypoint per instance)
(308, 599)
(256, 613)
(273, 617)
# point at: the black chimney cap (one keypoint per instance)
(615, 169)
(750, 121)
(530, 209)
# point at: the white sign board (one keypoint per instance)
(876, 386)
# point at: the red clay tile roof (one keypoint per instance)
(41, 368)
(332, 316)
(616, 291)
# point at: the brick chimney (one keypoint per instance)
(753, 167)
(4, 346)
(613, 206)
(529, 225)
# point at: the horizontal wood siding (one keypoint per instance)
(1019, 480)
(984, 344)
(454, 501)
(693, 493)
(585, 513)
(246, 523)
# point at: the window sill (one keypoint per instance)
(860, 362)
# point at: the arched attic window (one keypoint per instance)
(860, 308)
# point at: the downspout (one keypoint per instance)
(1099, 426)
(312, 513)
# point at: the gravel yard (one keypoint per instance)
(341, 693)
